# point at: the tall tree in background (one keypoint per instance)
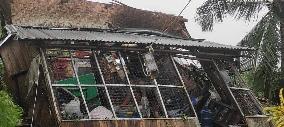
(267, 37)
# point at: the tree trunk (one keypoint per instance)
(267, 88)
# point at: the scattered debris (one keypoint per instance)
(101, 112)
(73, 108)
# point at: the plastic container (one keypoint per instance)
(206, 118)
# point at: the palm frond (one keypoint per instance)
(255, 36)
(213, 11)
(246, 9)
(271, 41)
(265, 37)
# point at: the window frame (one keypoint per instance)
(156, 86)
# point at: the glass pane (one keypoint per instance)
(167, 73)
(123, 102)
(176, 102)
(135, 69)
(70, 102)
(86, 68)
(98, 103)
(60, 66)
(112, 69)
(148, 101)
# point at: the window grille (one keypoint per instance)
(118, 83)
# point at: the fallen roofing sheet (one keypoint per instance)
(32, 33)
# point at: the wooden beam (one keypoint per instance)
(198, 54)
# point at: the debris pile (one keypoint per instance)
(106, 85)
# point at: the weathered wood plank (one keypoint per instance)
(132, 123)
(17, 56)
(7, 59)
(258, 121)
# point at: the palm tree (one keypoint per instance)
(267, 37)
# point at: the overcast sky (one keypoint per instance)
(228, 32)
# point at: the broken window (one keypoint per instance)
(60, 65)
(167, 73)
(176, 102)
(136, 70)
(70, 102)
(111, 84)
(123, 102)
(111, 67)
(196, 81)
(77, 84)
(149, 103)
(83, 67)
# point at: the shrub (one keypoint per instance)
(10, 113)
(277, 112)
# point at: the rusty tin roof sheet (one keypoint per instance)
(33, 33)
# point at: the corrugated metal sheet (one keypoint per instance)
(77, 35)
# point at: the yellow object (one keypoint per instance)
(277, 112)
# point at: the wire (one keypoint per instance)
(175, 19)
(177, 16)
(171, 22)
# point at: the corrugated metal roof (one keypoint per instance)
(77, 35)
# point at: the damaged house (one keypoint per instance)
(108, 65)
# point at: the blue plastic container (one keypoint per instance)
(206, 118)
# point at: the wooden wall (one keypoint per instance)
(17, 56)
(132, 123)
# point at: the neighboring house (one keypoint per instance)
(76, 63)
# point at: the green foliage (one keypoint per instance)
(2, 82)
(248, 78)
(264, 37)
(2, 25)
(213, 11)
(277, 112)
(10, 114)
(2, 32)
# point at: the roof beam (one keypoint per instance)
(197, 54)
